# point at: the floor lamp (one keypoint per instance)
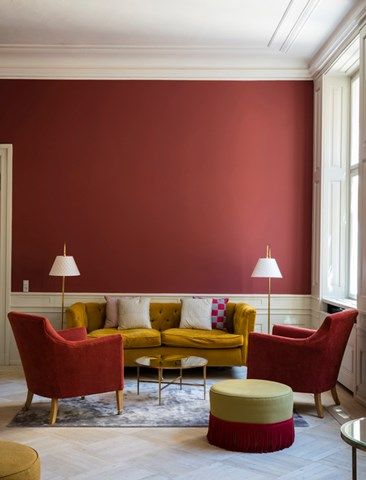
(267, 268)
(64, 266)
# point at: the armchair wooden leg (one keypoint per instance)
(335, 395)
(318, 404)
(119, 398)
(28, 401)
(54, 408)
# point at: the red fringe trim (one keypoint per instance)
(251, 437)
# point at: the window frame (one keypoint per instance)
(352, 170)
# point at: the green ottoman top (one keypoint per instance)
(18, 462)
(251, 401)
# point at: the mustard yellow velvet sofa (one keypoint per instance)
(220, 348)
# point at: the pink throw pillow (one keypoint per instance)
(111, 320)
(218, 314)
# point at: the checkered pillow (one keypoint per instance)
(218, 313)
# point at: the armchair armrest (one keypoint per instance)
(73, 334)
(292, 331)
(90, 366)
(244, 321)
(284, 360)
(76, 316)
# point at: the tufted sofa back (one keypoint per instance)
(165, 315)
(162, 315)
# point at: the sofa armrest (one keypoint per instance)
(244, 321)
(292, 331)
(76, 316)
(73, 334)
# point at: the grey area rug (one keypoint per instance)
(180, 408)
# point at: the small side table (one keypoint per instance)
(354, 433)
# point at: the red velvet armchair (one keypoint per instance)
(63, 364)
(306, 360)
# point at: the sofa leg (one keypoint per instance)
(335, 395)
(54, 409)
(318, 404)
(28, 401)
(119, 398)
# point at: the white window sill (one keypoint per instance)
(341, 302)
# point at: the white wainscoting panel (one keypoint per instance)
(347, 373)
(360, 393)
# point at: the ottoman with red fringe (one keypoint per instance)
(251, 416)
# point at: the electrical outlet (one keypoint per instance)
(25, 286)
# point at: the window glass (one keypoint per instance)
(355, 102)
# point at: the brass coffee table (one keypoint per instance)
(170, 362)
(354, 433)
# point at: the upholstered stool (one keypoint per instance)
(18, 462)
(251, 416)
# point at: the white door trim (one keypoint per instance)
(6, 173)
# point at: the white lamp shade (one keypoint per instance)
(266, 268)
(64, 266)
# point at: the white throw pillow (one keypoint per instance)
(196, 313)
(134, 312)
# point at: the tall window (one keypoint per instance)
(353, 187)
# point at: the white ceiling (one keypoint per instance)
(278, 32)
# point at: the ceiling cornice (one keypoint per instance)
(272, 62)
(342, 36)
(136, 62)
(297, 25)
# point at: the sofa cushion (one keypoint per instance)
(218, 314)
(132, 337)
(196, 313)
(189, 337)
(111, 312)
(133, 312)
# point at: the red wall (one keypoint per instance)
(160, 186)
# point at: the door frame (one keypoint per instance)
(6, 197)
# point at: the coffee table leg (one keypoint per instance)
(354, 463)
(181, 378)
(160, 373)
(138, 380)
(204, 382)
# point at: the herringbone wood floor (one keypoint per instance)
(179, 453)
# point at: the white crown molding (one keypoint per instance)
(275, 35)
(135, 62)
(295, 17)
(301, 21)
(342, 36)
